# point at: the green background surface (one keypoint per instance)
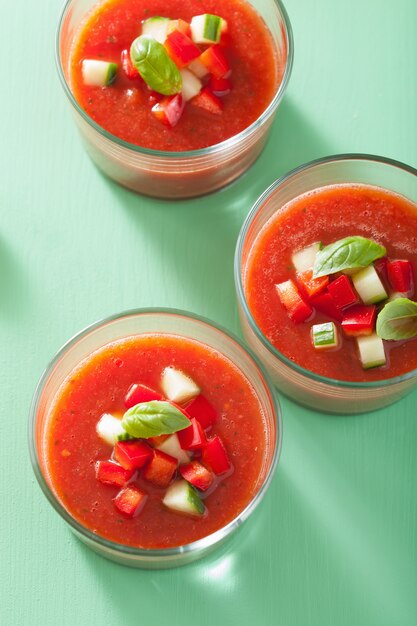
(334, 542)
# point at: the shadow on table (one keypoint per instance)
(201, 233)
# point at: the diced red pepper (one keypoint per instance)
(130, 500)
(342, 292)
(156, 441)
(359, 320)
(400, 276)
(132, 455)
(169, 110)
(180, 25)
(381, 267)
(202, 410)
(197, 475)
(220, 86)
(311, 286)
(297, 309)
(215, 61)
(140, 393)
(181, 48)
(161, 469)
(193, 437)
(112, 474)
(215, 456)
(326, 305)
(208, 101)
(127, 66)
(154, 97)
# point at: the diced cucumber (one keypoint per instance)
(98, 73)
(303, 260)
(191, 85)
(198, 69)
(177, 386)
(182, 497)
(172, 447)
(396, 294)
(371, 351)
(206, 28)
(156, 27)
(369, 286)
(110, 429)
(324, 336)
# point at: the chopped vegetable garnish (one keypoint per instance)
(177, 386)
(208, 101)
(181, 49)
(161, 469)
(215, 61)
(130, 500)
(309, 285)
(156, 27)
(112, 474)
(297, 309)
(172, 447)
(98, 73)
(359, 320)
(304, 259)
(169, 110)
(182, 497)
(371, 351)
(110, 429)
(400, 276)
(197, 475)
(326, 305)
(132, 455)
(324, 336)
(193, 437)
(206, 28)
(140, 393)
(215, 456)
(342, 292)
(369, 285)
(202, 410)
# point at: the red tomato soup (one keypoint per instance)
(327, 215)
(98, 386)
(222, 109)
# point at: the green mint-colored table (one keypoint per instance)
(335, 540)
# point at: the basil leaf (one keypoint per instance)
(157, 69)
(397, 320)
(345, 254)
(150, 419)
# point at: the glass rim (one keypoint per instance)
(186, 154)
(153, 554)
(256, 208)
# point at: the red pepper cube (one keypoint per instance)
(181, 48)
(112, 474)
(132, 455)
(161, 469)
(342, 292)
(181, 25)
(127, 66)
(193, 437)
(298, 310)
(130, 500)
(202, 410)
(220, 86)
(381, 267)
(215, 61)
(400, 276)
(359, 320)
(325, 304)
(311, 286)
(196, 474)
(215, 456)
(208, 101)
(169, 110)
(140, 393)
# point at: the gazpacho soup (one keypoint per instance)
(330, 282)
(174, 75)
(155, 441)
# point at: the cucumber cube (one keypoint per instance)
(110, 429)
(98, 73)
(206, 28)
(369, 286)
(191, 85)
(177, 386)
(198, 69)
(371, 351)
(156, 27)
(303, 260)
(182, 497)
(172, 447)
(324, 336)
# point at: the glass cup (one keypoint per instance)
(308, 388)
(125, 325)
(175, 174)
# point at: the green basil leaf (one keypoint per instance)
(150, 419)
(345, 254)
(157, 69)
(397, 320)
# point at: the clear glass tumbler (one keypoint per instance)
(312, 390)
(175, 174)
(129, 324)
